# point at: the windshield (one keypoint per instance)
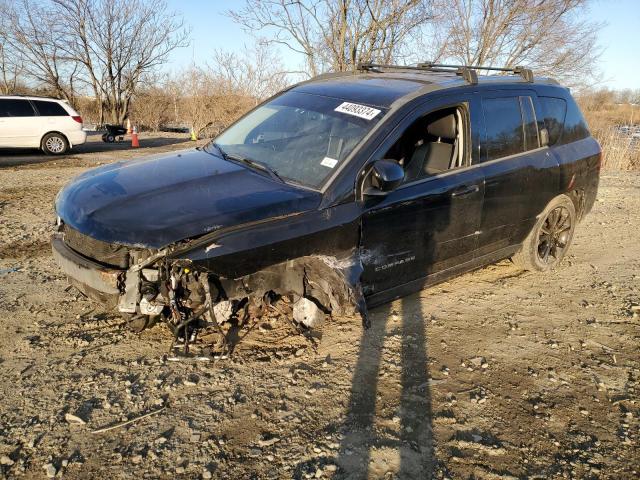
(300, 137)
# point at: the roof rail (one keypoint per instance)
(31, 96)
(468, 72)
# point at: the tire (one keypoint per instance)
(54, 144)
(550, 239)
(110, 138)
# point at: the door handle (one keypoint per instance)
(465, 190)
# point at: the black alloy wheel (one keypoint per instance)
(554, 235)
(550, 238)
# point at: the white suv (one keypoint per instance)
(39, 122)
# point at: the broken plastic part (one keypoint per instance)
(307, 313)
(223, 311)
(129, 299)
(330, 283)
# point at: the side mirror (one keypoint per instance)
(544, 137)
(386, 176)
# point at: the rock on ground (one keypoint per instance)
(495, 374)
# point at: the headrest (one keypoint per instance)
(444, 127)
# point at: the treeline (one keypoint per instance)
(202, 99)
(614, 120)
(107, 57)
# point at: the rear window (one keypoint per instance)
(50, 109)
(15, 108)
(554, 110)
(505, 133)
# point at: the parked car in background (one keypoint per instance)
(345, 191)
(39, 122)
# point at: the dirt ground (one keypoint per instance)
(496, 374)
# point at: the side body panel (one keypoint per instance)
(580, 170)
(517, 188)
(579, 161)
(71, 129)
(420, 229)
(232, 253)
(64, 124)
(20, 131)
(423, 227)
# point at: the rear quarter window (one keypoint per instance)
(553, 112)
(575, 127)
(50, 109)
(16, 108)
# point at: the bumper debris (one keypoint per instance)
(158, 286)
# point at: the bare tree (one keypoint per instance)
(11, 67)
(335, 34)
(152, 105)
(118, 41)
(597, 99)
(209, 102)
(35, 33)
(627, 95)
(197, 106)
(256, 72)
(100, 46)
(551, 36)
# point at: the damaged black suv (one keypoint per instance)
(340, 193)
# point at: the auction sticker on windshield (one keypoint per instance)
(357, 110)
(329, 162)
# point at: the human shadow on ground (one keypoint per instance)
(423, 227)
(413, 440)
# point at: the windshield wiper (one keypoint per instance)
(219, 148)
(256, 165)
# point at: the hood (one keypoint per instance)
(155, 201)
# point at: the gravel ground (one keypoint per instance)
(496, 374)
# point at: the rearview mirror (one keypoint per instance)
(386, 176)
(544, 137)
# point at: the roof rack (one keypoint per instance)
(31, 96)
(468, 72)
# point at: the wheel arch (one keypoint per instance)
(578, 198)
(57, 132)
(525, 256)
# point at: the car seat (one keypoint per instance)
(434, 157)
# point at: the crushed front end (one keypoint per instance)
(189, 237)
(165, 285)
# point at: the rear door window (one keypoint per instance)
(16, 108)
(504, 127)
(553, 110)
(50, 109)
(530, 125)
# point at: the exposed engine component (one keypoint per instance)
(186, 299)
(150, 308)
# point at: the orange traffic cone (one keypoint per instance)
(128, 127)
(134, 138)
